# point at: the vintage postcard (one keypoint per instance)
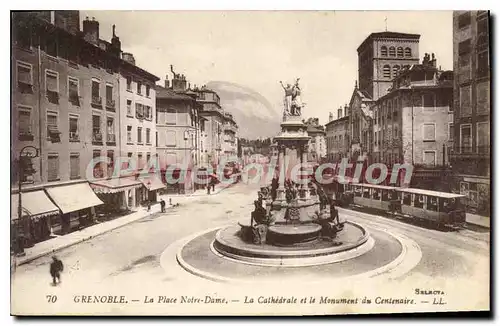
(250, 162)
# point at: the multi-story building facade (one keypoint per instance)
(337, 136)
(213, 126)
(360, 126)
(138, 111)
(230, 144)
(380, 57)
(413, 123)
(470, 158)
(177, 122)
(66, 105)
(317, 141)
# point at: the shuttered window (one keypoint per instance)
(400, 52)
(52, 128)
(24, 73)
(171, 138)
(73, 87)
(465, 101)
(429, 132)
(74, 166)
(109, 92)
(387, 71)
(96, 124)
(392, 51)
(53, 167)
(129, 107)
(171, 116)
(96, 88)
(24, 122)
(51, 81)
(430, 158)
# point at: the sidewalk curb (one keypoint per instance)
(19, 262)
(34, 257)
(478, 225)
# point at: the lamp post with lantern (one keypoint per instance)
(25, 168)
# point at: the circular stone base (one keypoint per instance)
(352, 242)
(288, 235)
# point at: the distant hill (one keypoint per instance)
(254, 114)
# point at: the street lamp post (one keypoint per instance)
(21, 166)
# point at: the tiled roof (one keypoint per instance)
(167, 93)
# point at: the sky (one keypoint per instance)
(257, 49)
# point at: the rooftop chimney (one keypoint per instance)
(116, 45)
(129, 57)
(167, 82)
(346, 111)
(91, 30)
(339, 113)
(330, 117)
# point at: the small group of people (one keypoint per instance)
(162, 205)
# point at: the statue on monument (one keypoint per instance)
(292, 100)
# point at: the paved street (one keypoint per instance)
(130, 256)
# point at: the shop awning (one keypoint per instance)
(152, 182)
(114, 185)
(35, 204)
(73, 197)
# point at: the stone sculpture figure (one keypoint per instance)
(292, 100)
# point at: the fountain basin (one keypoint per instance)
(289, 235)
(353, 241)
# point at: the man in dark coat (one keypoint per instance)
(162, 205)
(56, 267)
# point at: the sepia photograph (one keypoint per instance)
(249, 163)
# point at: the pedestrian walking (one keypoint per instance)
(149, 205)
(162, 205)
(56, 267)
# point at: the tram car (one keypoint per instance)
(333, 186)
(440, 209)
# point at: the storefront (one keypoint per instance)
(118, 194)
(477, 191)
(151, 185)
(37, 211)
(77, 203)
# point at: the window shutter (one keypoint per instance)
(53, 168)
(24, 122)
(51, 83)
(73, 125)
(74, 162)
(24, 75)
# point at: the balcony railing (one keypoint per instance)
(110, 105)
(74, 137)
(97, 138)
(53, 96)
(26, 136)
(96, 101)
(470, 151)
(74, 99)
(25, 87)
(111, 139)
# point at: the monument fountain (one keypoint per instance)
(293, 223)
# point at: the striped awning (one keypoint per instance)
(35, 204)
(114, 185)
(73, 197)
(151, 182)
